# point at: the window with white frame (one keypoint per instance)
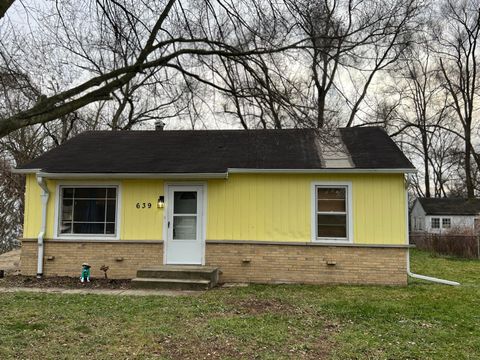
(435, 223)
(331, 212)
(446, 223)
(88, 210)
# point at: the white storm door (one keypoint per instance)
(185, 243)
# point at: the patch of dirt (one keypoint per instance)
(258, 306)
(219, 347)
(206, 348)
(317, 346)
(64, 282)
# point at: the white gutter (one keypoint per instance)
(321, 171)
(131, 175)
(39, 172)
(49, 175)
(409, 273)
(25, 171)
(44, 196)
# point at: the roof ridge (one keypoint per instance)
(194, 130)
(230, 130)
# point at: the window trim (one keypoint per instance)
(440, 227)
(349, 208)
(439, 222)
(77, 184)
(450, 223)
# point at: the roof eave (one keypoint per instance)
(451, 214)
(224, 175)
(51, 175)
(322, 171)
(25, 171)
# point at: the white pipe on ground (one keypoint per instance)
(44, 196)
(409, 273)
(428, 278)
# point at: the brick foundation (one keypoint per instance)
(69, 256)
(308, 264)
(238, 262)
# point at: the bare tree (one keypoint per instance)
(304, 86)
(421, 108)
(447, 170)
(457, 52)
(253, 64)
(19, 147)
(155, 40)
(349, 43)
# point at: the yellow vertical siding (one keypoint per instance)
(269, 207)
(277, 207)
(31, 220)
(143, 223)
(33, 208)
(135, 224)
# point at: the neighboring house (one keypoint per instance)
(263, 206)
(439, 215)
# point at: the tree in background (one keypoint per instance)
(407, 65)
(457, 56)
(420, 112)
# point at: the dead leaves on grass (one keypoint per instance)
(224, 345)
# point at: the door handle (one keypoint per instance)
(168, 224)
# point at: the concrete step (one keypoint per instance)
(172, 284)
(190, 272)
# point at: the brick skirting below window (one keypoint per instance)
(238, 262)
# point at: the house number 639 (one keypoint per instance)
(143, 205)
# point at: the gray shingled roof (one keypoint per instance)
(216, 151)
(450, 206)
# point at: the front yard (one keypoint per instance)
(421, 321)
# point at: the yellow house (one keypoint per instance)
(264, 206)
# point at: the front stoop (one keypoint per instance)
(177, 277)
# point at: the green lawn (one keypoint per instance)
(421, 321)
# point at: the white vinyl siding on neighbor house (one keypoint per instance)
(420, 221)
(417, 218)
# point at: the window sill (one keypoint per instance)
(333, 240)
(82, 238)
(91, 240)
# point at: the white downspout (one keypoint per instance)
(45, 194)
(409, 273)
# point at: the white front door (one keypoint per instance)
(185, 242)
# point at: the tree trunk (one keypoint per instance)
(425, 162)
(468, 166)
